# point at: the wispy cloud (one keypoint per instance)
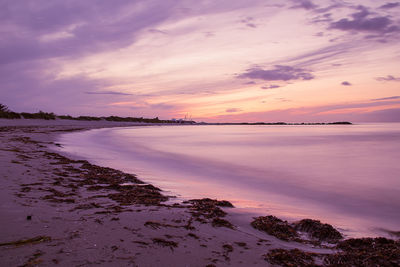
(388, 79)
(250, 82)
(107, 93)
(278, 73)
(386, 98)
(362, 21)
(272, 86)
(249, 22)
(346, 83)
(305, 4)
(72, 29)
(390, 5)
(232, 110)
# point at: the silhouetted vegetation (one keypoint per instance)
(39, 115)
(7, 114)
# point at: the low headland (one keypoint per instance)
(57, 209)
(5, 113)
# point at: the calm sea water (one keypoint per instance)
(345, 175)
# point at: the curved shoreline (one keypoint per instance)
(52, 203)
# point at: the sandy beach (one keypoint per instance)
(64, 211)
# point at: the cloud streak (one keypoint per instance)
(386, 98)
(107, 93)
(74, 28)
(346, 83)
(233, 110)
(388, 78)
(278, 73)
(390, 5)
(361, 21)
(304, 4)
(272, 86)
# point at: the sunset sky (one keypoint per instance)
(217, 61)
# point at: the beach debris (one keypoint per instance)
(214, 202)
(241, 244)
(227, 248)
(352, 252)
(29, 217)
(193, 235)
(208, 208)
(366, 252)
(129, 195)
(156, 225)
(35, 259)
(34, 240)
(165, 243)
(275, 227)
(290, 258)
(319, 231)
(96, 175)
(58, 196)
(87, 206)
(218, 222)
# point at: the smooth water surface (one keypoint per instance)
(345, 175)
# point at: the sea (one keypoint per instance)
(344, 175)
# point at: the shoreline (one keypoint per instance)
(66, 211)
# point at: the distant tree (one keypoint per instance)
(8, 114)
(4, 108)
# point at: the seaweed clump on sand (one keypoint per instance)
(130, 190)
(206, 209)
(293, 257)
(319, 231)
(275, 227)
(102, 175)
(357, 252)
(136, 194)
(366, 252)
(35, 240)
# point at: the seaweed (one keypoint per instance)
(290, 258)
(275, 227)
(165, 243)
(34, 240)
(318, 230)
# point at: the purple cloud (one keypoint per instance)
(251, 82)
(305, 4)
(388, 79)
(361, 22)
(386, 98)
(231, 110)
(390, 5)
(346, 83)
(279, 73)
(249, 22)
(73, 28)
(272, 86)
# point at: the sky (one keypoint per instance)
(213, 61)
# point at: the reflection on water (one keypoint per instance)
(346, 175)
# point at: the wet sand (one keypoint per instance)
(57, 210)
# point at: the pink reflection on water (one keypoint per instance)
(343, 175)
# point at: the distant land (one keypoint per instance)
(6, 113)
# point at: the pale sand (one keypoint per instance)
(113, 237)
